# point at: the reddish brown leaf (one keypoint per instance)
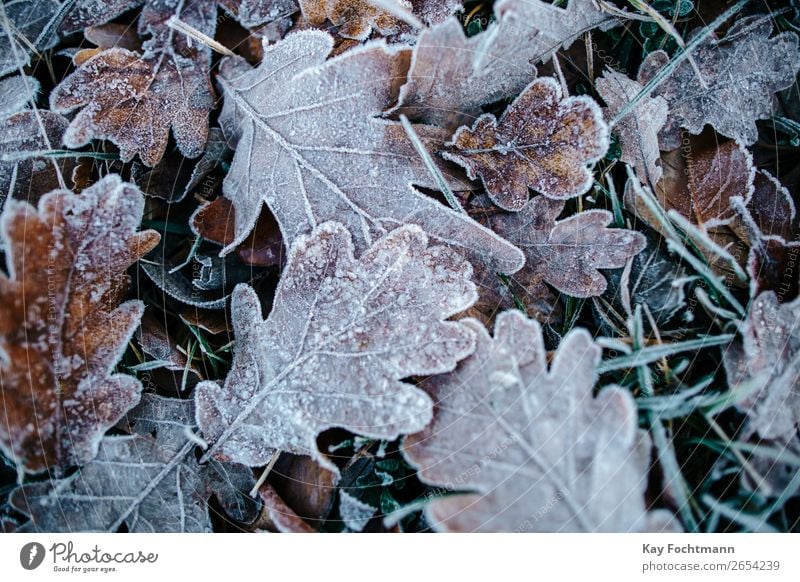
(542, 142)
(62, 327)
(279, 517)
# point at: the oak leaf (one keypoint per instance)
(541, 141)
(451, 75)
(310, 127)
(132, 98)
(637, 131)
(537, 450)
(566, 254)
(741, 74)
(767, 361)
(342, 334)
(62, 327)
(149, 481)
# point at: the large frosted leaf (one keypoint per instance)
(342, 334)
(311, 146)
(150, 481)
(537, 450)
(741, 74)
(62, 327)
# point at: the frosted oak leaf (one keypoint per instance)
(741, 72)
(567, 254)
(150, 481)
(342, 334)
(541, 141)
(768, 361)
(62, 327)
(537, 450)
(311, 145)
(451, 75)
(637, 131)
(133, 98)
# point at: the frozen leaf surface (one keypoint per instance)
(342, 334)
(14, 95)
(566, 254)
(638, 131)
(24, 173)
(62, 327)
(541, 141)
(768, 360)
(132, 98)
(150, 481)
(451, 75)
(539, 451)
(310, 128)
(32, 21)
(741, 72)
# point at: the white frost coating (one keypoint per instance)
(151, 484)
(542, 453)
(310, 128)
(342, 334)
(14, 94)
(355, 513)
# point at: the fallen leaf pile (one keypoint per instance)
(398, 265)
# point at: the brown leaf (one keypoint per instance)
(537, 451)
(280, 518)
(305, 487)
(637, 131)
(741, 74)
(542, 142)
(566, 253)
(384, 314)
(132, 98)
(62, 327)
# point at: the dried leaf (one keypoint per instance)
(281, 517)
(451, 75)
(768, 362)
(357, 19)
(638, 131)
(542, 142)
(772, 207)
(540, 453)
(566, 253)
(311, 126)
(341, 335)
(62, 327)
(715, 176)
(150, 481)
(133, 99)
(741, 72)
(31, 20)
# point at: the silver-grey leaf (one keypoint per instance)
(311, 145)
(149, 481)
(342, 334)
(766, 365)
(741, 74)
(529, 444)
